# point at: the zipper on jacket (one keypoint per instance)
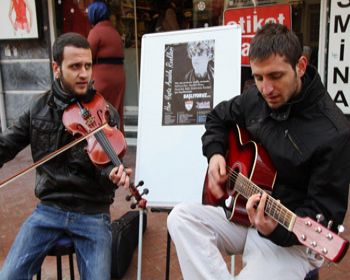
(286, 134)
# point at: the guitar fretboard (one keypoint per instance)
(273, 208)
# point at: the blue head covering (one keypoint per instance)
(97, 12)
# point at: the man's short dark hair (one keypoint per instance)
(67, 39)
(275, 39)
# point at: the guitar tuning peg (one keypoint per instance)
(341, 229)
(319, 218)
(329, 225)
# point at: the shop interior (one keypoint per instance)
(134, 18)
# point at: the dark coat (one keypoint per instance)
(70, 180)
(308, 141)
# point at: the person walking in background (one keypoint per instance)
(108, 57)
(75, 19)
(167, 19)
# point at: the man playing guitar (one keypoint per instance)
(307, 138)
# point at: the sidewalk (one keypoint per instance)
(17, 202)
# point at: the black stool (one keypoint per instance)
(64, 246)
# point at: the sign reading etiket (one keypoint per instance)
(338, 57)
(251, 19)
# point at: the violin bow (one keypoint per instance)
(50, 156)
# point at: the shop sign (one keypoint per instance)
(338, 79)
(251, 19)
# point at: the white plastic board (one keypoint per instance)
(169, 150)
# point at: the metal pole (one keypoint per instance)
(322, 48)
(2, 107)
(139, 256)
(52, 18)
(167, 265)
(233, 266)
(136, 47)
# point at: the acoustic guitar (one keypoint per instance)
(250, 171)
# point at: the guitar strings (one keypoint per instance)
(273, 207)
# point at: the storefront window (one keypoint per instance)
(149, 16)
(134, 18)
(164, 15)
(71, 16)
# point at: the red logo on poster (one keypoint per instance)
(251, 19)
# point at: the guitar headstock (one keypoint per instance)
(320, 239)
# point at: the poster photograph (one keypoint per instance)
(18, 19)
(188, 82)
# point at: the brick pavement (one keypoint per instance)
(17, 202)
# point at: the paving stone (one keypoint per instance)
(17, 201)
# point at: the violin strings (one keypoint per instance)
(106, 145)
(102, 138)
(248, 188)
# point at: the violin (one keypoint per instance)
(105, 145)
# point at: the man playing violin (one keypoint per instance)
(307, 137)
(75, 194)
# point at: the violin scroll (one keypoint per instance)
(134, 193)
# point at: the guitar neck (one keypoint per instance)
(273, 208)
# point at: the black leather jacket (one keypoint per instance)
(70, 180)
(308, 141)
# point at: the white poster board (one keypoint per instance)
(169, 150)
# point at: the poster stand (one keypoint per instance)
(139, 256)
(173, 105)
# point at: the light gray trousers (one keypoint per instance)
(201, 235)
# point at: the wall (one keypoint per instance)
(25, 66)
(131, 90)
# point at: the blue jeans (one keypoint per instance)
(91, 235)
